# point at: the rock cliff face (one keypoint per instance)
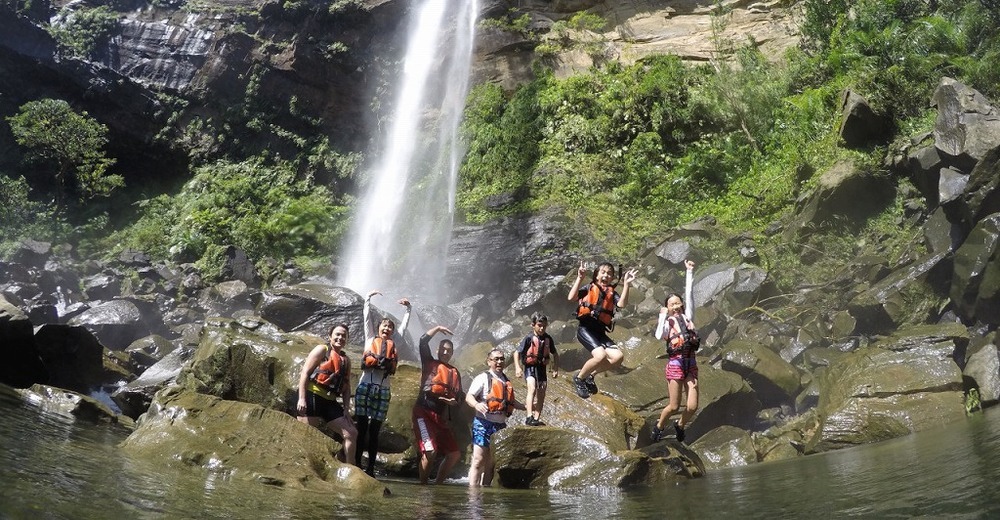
(251, 73)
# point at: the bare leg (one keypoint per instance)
(346, 429)
(597, 357)
(540, 398)
(674, 404)
(529, 401)
(489, 465)
(446, 465)
(424, 468)
(692, 402)
(476, 465)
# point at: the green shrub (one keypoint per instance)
(264, 209)
(84, 30)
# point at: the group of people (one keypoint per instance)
(326, 374)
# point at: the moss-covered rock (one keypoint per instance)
(546, 457)
(875, 394)
(725, 447)
(244, 441)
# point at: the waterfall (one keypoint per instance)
(399, 237)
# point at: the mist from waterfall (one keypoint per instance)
(399, 237)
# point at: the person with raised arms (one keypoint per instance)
(597, 302)
(441, 388)
(378, 364)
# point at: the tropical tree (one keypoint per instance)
(68, 142)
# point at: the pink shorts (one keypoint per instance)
(676, 367)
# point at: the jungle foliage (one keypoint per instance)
(630, 151)
(266, 209)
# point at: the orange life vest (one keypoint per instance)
(538, 352)
(328, 377)
(598, 304)
(681, 337)
(377, 357)
(442, 381)
(501, 396)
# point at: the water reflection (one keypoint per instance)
(52, 467)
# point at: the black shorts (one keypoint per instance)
(593, 334)
(326, 409)
(537, 371)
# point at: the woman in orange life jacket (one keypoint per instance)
(378, 364)
(326, 374)
(597, 304)
(535, 352)
(491, 395)
(682, 368)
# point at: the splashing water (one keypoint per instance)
(403, 222)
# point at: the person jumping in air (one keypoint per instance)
(598, 301)
(326, 374)
(535, 352)
(676, 327)
(378, 364)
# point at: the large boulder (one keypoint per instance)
(902, 296)
(120, 322)
(236, 363)
(983, 368)
(247, 442)
(546, 457)
(975, 286)
(725, 447)
(73, 405)
(844, 193)
(859, 125)
(73, 358)
(775, 381)
(967, 124)
(314, 307)
(905, 383)
(134, 398)
(22, 365)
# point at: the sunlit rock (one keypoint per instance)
(244, 441)
(545, 457)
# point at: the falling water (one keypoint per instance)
(403, 222)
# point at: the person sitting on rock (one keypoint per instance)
(597, 303)
(441, 387)
(326, 374)
(535, 352)
(378, 364)
(676, 327)
(491, 395)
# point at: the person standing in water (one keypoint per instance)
(597, 303)
(326, 374)
(378, 364)
(441, 387)
(491, 395)
(535, 352)
(676, 327)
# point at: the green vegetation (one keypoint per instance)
(84, 30)
(267, 210)
(69, 146)
(630, 151)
